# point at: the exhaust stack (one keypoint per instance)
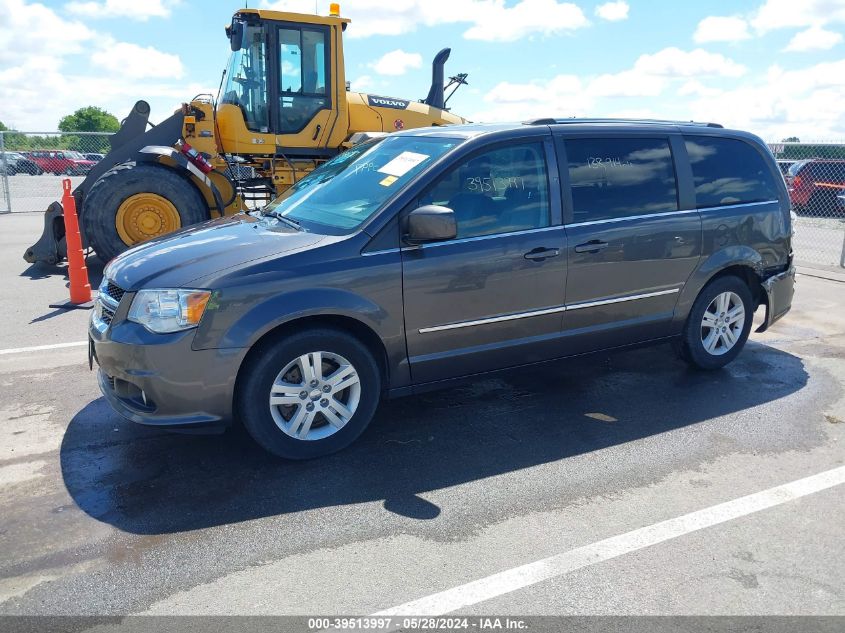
(436, 98)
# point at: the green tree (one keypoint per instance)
(791, 139)
(11, 139)
(88, 119)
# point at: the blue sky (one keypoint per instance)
(775, 67)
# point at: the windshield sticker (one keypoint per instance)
(388, 181)
(402, 164)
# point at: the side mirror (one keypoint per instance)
(236, 35)
(431, 223)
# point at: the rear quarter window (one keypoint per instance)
(728, 171)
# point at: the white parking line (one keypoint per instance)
(519, 577)
(40, 348)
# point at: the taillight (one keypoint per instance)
(796, 181)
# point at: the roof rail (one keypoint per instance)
(552, 121)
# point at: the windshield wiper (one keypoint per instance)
(288, 221)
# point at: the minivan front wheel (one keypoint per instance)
(718, 324)
(308, 394)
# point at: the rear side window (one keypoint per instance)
(620, 177)
(728, 171)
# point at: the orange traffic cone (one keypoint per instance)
(80, 288)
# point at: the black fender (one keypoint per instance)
(152, 153)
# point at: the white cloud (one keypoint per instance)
(561, 96)
(813, 39)
(628, 83)
(613, 11)
(673, 62)
(722, 29)
(779, 14)
(362, 84)
(137, 62)
(487, 20)
(508, 24)
(397, 62)
(33, 29)
(652, 75)
(62, 65)
(132, 9)
(696, 88)
(807, 102)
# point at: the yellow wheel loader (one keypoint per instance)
(283, 109)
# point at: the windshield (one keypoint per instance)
(246, 79)
(345, 192)
(74, 155)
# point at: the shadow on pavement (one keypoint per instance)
(147, 481)
(40, 271)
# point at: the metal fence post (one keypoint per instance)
(4, 175)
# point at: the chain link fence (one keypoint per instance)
(815, 177)
(32, 166)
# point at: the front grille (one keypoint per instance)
(114, 291)
(106, 314)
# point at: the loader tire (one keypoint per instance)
(116, 192)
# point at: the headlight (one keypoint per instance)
(163, 311)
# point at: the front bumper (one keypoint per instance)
(159, 380)
(779, 290)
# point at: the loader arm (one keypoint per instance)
(127, 143)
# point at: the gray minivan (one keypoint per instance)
(434, 255)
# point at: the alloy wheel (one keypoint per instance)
(722, 323)
(315, 395)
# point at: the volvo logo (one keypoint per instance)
(387, 102)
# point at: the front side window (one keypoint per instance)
(246, 79)
(499, 191)
(620, 177)
(346, 191)
(302, 81)
(728, 171)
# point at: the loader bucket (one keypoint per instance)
(51, 247)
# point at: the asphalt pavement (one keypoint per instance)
(620, 484)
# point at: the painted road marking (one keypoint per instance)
(519, 577)
(39, 348)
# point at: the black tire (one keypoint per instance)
(692, 347)
(116, 185)
(261, 369)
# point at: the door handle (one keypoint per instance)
(316, 132)
(540, 253)
(593, 246)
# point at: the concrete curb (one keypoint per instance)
(821, 273)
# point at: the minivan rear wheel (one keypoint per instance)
(308, 394)
(718, 324)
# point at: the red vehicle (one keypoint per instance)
(61, 162)
(814, 184)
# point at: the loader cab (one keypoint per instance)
(284, 88)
